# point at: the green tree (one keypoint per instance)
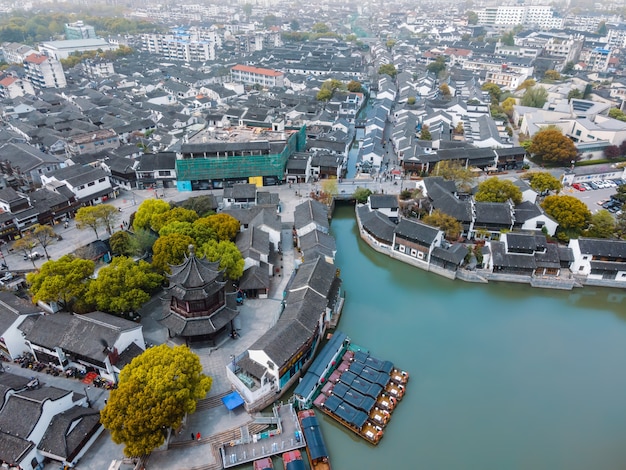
(551, 146)
(552, 75)
(204, 229)
(87, 217)
(324, 94)
(155, 392)
(472, 17)
(354, 86)
(445, 91)
(388, 69)
(121, 243)
(203, 205)
(320, 28)
(411, 100)
(225, 226)
(361, 194)
(602, 29)
(601, 225)
(526, 84)
(617, 113)
(620, 193)
(142, 242)
(183, 228)
(508, 39)
(620, 225)
(170, 250)
(177, 214)
(229, 256)
(445, 222)
(26, 244)
(535, 97)
(438, 66)
(247, 10)
(568, 68)
(542, 181)
(294, 25)
(425, 133)
(459, 129)
(494, 91)
(498, 190)
(147, 209)
(123, 286)
(45, 236)
(574, 93)
(569, 212)
(269, 21)
(390, 43)
(63, 280)
(508, 106)
(453, 170)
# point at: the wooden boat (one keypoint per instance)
(399, 376)
(386, 402)
(394, 390)
(315, 445)
(355, 420)
(292, 460)
(264, 464)
(379, 417)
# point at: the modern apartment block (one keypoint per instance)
(44, 72)
(257, 76)
(534, 15)
(185, 44)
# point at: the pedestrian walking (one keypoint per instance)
(198, 436)
(193, 438)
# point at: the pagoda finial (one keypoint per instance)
(192, 250)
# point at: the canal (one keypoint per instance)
(502, 376)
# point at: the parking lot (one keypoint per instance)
(593, 198)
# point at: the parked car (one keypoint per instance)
(578, 187)
(34, 255)
(586, 186)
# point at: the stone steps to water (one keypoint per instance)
(211, 402)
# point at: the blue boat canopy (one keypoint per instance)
(232, 400)
(313, 437)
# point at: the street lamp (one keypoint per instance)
(87, 396)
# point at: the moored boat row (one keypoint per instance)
(315, 445)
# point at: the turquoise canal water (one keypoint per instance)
(502, 376)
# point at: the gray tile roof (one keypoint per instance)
(316, 274)
(311, 211)
(67, 432)
(383, 201)
(418, 231)
(79, 334)
(377, 224)
(12, 448)
(602, 248)
(11, 308)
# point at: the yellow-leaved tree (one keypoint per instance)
(155, 391)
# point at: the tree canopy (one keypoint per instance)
(122, 286)
(361, 194)
(425, 133)
(63, 280)
(203, 205)
(170, 250)
(45, 236)
(571, 214)
(542, 181)
(147, 209)
(388, 69)
(453, 170)
(229, 256)
(176, 214)
(26, 244)
(551, 146)
(438, 66)
(494, 91)
(601, 225)
(445, 222)
(225, 226)
(155, 391)
(498, 190)
(354, 86)
(534, 97)
(121, 243)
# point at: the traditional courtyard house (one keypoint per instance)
(531, 217)
(23, 164)
(156, 171)
(490, 218)
(94, 341)
(315, 244)
(13, 311)
(240, 195)
(298, 169)
(269, 221)
(40, 422)
(416, 239)
(196, 305)
(325, 165)
(254, 245)
(255, 282)
(90, 185)
(387, 204)
(599, 258)
(310, 215)
(274, 362)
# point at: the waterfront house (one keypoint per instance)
(416, 239)
(377, 226)
(315, 244)
(274, 362)
(599, 259)
(386, 204)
